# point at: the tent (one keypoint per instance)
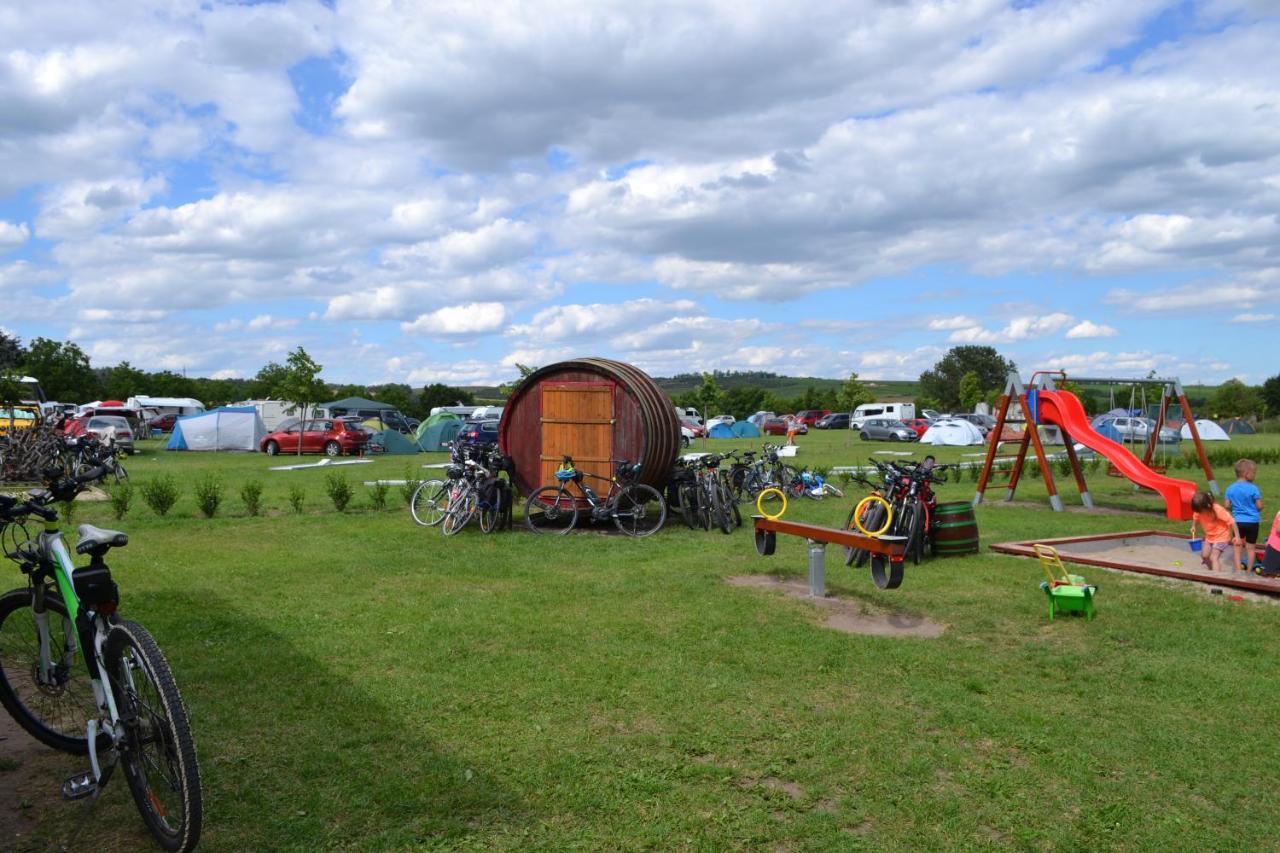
(393, 442)
(721, 430)
(356, 404)
(745, 429)
(1050, 434)
(436, 430)
(1209, 431)
(226, 428)
(1237, 426)
(1107, 429)
(952, 432)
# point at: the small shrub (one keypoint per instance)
(251, 496)
(121, 498)
(378, 495)
(209, 495)
(339, 490)
(410, 485)
(68, 511)
(297, 495)
(160, 493)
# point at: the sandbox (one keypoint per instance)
(1148, 552)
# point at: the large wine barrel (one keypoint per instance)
(955, 529)
(595, 410)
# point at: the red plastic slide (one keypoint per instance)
(1063, 409)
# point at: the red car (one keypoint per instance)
(809, 417)
(330, 436)
(780, 426)
(698, 430)
(920, 425)
(164, 423)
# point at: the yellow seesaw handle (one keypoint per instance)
(760, 503)
(862, 505)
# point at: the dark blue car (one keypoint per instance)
(479, 432)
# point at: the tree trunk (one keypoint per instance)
(302, 426)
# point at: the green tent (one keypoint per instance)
(356, 404)
(438, 429)
(394, 442)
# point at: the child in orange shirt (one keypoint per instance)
(1220, 530)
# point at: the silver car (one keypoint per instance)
(1140, 429)
(886, 429)
(110, 428)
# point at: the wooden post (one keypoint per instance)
(1045, 469)
(1002, 412)
(1195, 436)
(1016, 473)
(1076, 468)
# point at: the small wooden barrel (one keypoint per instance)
(955, 529)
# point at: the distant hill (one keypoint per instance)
(786, 387)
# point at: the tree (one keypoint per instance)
(344, 391)
(508, 388)
(942, 382)
(853, 394)
(11, 392)
(263, 385)
(1271, 395)
(166, 383)
(970, 391)
(439, 394)
(11, 353)
(299, 383)
(62, 369)
(744, 401)
(1234, 399)
(394, 393)
(124, 381)
(709, 396)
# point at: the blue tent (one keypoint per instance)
(1107, 429)
(226, 428)
(746, 429)
(721, 430)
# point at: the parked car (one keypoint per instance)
(1139, 429)
(697, 429)
(985, 423)
(109, 428)
(886, 429)
(727, 420)
(479, 432)
(760, 417)
(330, 436)
(920, 425)
(780, 426)
(835, 420)
(810, 417)
(164, 422)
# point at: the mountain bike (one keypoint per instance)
(636, 509)
(82, 680)
(907, 498)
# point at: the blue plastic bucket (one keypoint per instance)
(1195, 544)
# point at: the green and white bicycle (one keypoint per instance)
(81, 679)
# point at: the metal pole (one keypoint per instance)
(817, 569)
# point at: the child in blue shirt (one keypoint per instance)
(1244, 499)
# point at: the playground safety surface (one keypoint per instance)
(1149, 552)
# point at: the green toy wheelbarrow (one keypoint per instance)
(1067, 593)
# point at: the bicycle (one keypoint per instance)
(636, 509)
(130, 707)
(87, 452)
(908, 500)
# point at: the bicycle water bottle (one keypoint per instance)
(586, 490)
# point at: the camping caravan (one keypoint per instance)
(895, 411)
(226, 428)
(276, 412)
(165, 405)
(1209, 431)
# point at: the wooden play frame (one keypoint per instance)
(1234, 579)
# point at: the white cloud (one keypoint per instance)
(13, 235)
(1017, 329)
(1090, 329)
(575, 322)
(960, 321)
(1254, 318)
(476, 318)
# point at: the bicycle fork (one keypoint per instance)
(107, 722)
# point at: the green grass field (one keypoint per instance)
(356, 681)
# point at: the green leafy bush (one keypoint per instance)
(339, 490)
(160, 493)
(209, 495)
(121, 497)
(378, 495)
(297, 496)
(410, 485)
(251, 496)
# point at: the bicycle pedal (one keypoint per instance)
(79, 786)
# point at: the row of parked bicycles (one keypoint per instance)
(473, 488)
(900, 504)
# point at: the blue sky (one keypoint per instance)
(422, 194)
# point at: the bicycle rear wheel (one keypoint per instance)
(427, 506)
(551, 510)
(460, 512)
(158, 754)
(55, 713)
(640, 510)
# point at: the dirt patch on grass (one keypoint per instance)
(849, 617)
(30, 778)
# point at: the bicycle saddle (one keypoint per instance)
(92, 538)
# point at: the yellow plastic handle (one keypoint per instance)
(760, 503)
(862, 505)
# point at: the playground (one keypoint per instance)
(355, 680)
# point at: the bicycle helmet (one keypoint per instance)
(564, 475)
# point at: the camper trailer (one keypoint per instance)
(276, 412)
(895, 411)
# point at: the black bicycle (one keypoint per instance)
(636, 509)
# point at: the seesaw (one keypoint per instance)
(886, 551)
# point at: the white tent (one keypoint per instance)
(1209, 431)
(226, 428)
(953, 432)
(1050, 434)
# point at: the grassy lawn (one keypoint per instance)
(357, 681)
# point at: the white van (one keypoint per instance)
(895, 411)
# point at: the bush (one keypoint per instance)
(410, 485)
(160, 493)
(121, 498)
(297, 495)
(251, 496)
(339, 489)
(378, 495)
(209, 495)
(68, 511)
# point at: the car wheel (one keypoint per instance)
(864, 436)
(332, 448)
(893, 436)
(272, 448)
(684, 441)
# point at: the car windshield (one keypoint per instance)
(103, 422)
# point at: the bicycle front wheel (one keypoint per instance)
(461, 510)
(551, 510)
(640, 510)
(428, 503)
(54, 710)
(158, 754)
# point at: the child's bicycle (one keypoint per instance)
(81, 679)
(635, 508)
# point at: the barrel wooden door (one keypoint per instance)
(577, 420)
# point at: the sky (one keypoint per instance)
(436, 192)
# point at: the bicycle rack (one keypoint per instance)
(886, 551)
